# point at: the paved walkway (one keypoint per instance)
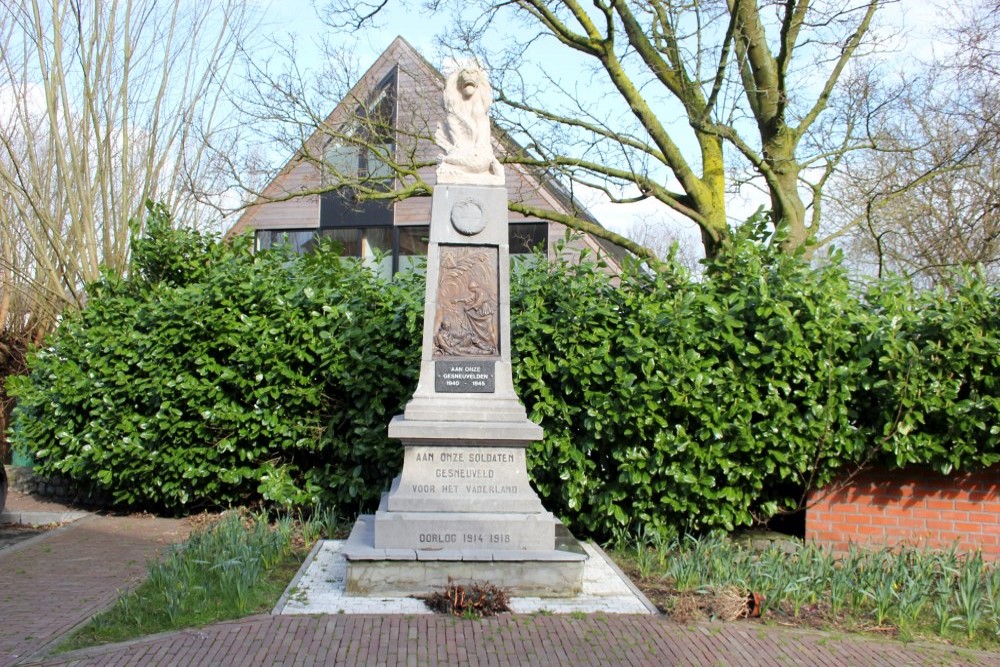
(23, 502)
(51, 584)
(303, 641)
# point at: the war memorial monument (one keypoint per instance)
(463, 509)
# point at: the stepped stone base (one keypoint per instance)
(375, 572)
(462, 510)
(504, 529)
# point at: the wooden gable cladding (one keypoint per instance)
(281, 205)
(418, 99)
(285, 210)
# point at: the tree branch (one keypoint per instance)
(588, 227)
(845, 55)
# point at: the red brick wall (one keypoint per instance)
(914, 506)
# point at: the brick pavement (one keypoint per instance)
(26, 502)
(50, 585)
(304, 641)
(56, 581)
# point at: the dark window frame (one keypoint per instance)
(540, 231)
(342, 207)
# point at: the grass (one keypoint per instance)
(237, 566)
(904, 592)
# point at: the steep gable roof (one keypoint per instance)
(418, 109)
(284, 185)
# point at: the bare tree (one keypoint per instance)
(104, 107)
(933, 202)
(644, 99)
(658, 235)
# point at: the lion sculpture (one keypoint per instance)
(465, 135)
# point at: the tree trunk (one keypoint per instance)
(788, 211)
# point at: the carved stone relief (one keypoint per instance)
(467, 217)
(467, 318)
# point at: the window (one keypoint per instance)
(412, 247)
(362, 155)
(393, 249)
(301, 241)
(349, 239)
(526, 237)
(386, 250)
(376, 250)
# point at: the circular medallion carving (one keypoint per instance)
(467, 217)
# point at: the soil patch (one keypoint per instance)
(12, 533)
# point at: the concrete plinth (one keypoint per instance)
(509, 531)
(482, 432)
(377, 572)
(463, 467)
(462, 510)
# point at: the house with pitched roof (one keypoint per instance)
(340, 184)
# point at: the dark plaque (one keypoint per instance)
(465, 376)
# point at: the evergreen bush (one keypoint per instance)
(215, 376)
(674, 405)
(933, 397)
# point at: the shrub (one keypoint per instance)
(677, 404)
(215, 376)
(670, 404)
(935, 382)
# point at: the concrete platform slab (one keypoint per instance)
(319, 589)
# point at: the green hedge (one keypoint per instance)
(679, 405)
(215, 376)
(933, 396)
(674, 404)
(670, 403)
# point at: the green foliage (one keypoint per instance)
(671, 404)
(937, 375)
(234, 567)
(215, 376)
(169, 256)
(680, 405)
(917, 592)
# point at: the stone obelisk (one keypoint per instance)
(463, 508)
